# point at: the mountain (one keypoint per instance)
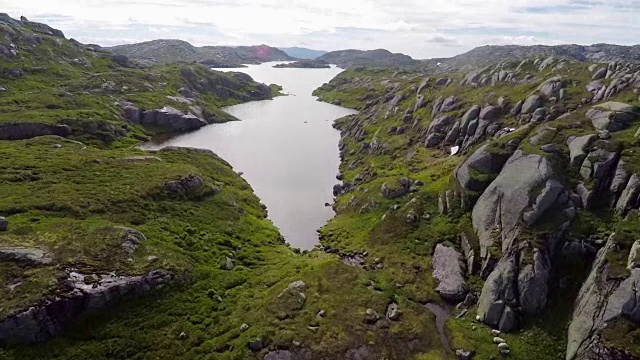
(491, 54)
(519, 182)
(372, 58)
(172, 51)
(303, 53)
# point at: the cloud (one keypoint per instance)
(421, 29)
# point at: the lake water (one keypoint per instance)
(285, 148)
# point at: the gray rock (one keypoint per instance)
(468, 116)
(489, 113)
(601, 300)
(172, 120)
(469, 254)
(550, 148)
(4, 223)
(186, 93)
(24, 256)
(517, 108)
(508, 321)
(531, 104)
(507, 198)
(600, 74)
(396, 188)
(578, 147)
(449, 274)
(493, 313)
(539, 115)
(39, 323)
(633, 261)
(184, 185)
(551, 87)
(546, 197)
(371, 316)
(294, 297)
(442, 82)
(393, 313)
(227, 264)
(449, 104)
(613, 116)
(594, 86)
(481, 161)
(620, 179)
(440, 124)
(629, 198)
(464, 355)
(255, 345)
(131, 238)
(27, 130)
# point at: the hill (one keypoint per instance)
(303, 53)
(491, 54)
(370, 58)
(173, 51)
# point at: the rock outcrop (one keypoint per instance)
(395, 188)
(613, 116)
(448, 271)
(171, 119)
(525, 189)
(477, 172)
(603, 299)
(42, 322)
(27, 130)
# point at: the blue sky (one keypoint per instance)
(422, 29)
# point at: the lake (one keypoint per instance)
(286, 149)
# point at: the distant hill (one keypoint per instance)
(305, 64)
(373, 58)
(303, 53)
(171, 51)
(486, 55)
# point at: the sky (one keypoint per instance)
(420, 28)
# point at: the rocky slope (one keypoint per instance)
(518, 181)
(374, 58)
(172, 51)
(491, 54)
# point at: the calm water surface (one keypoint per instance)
(285, 148)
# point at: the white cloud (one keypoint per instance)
(419, 28)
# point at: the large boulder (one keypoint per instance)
(448, 271)
(603, 299)
(183, 185)
(578, 148)
(173, 120)
(395, 188)
(477, 172)
(502, 205)
(293, 297)
(531, 104)
(630, 196)
(613, 116)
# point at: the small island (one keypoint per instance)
(305, 64)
